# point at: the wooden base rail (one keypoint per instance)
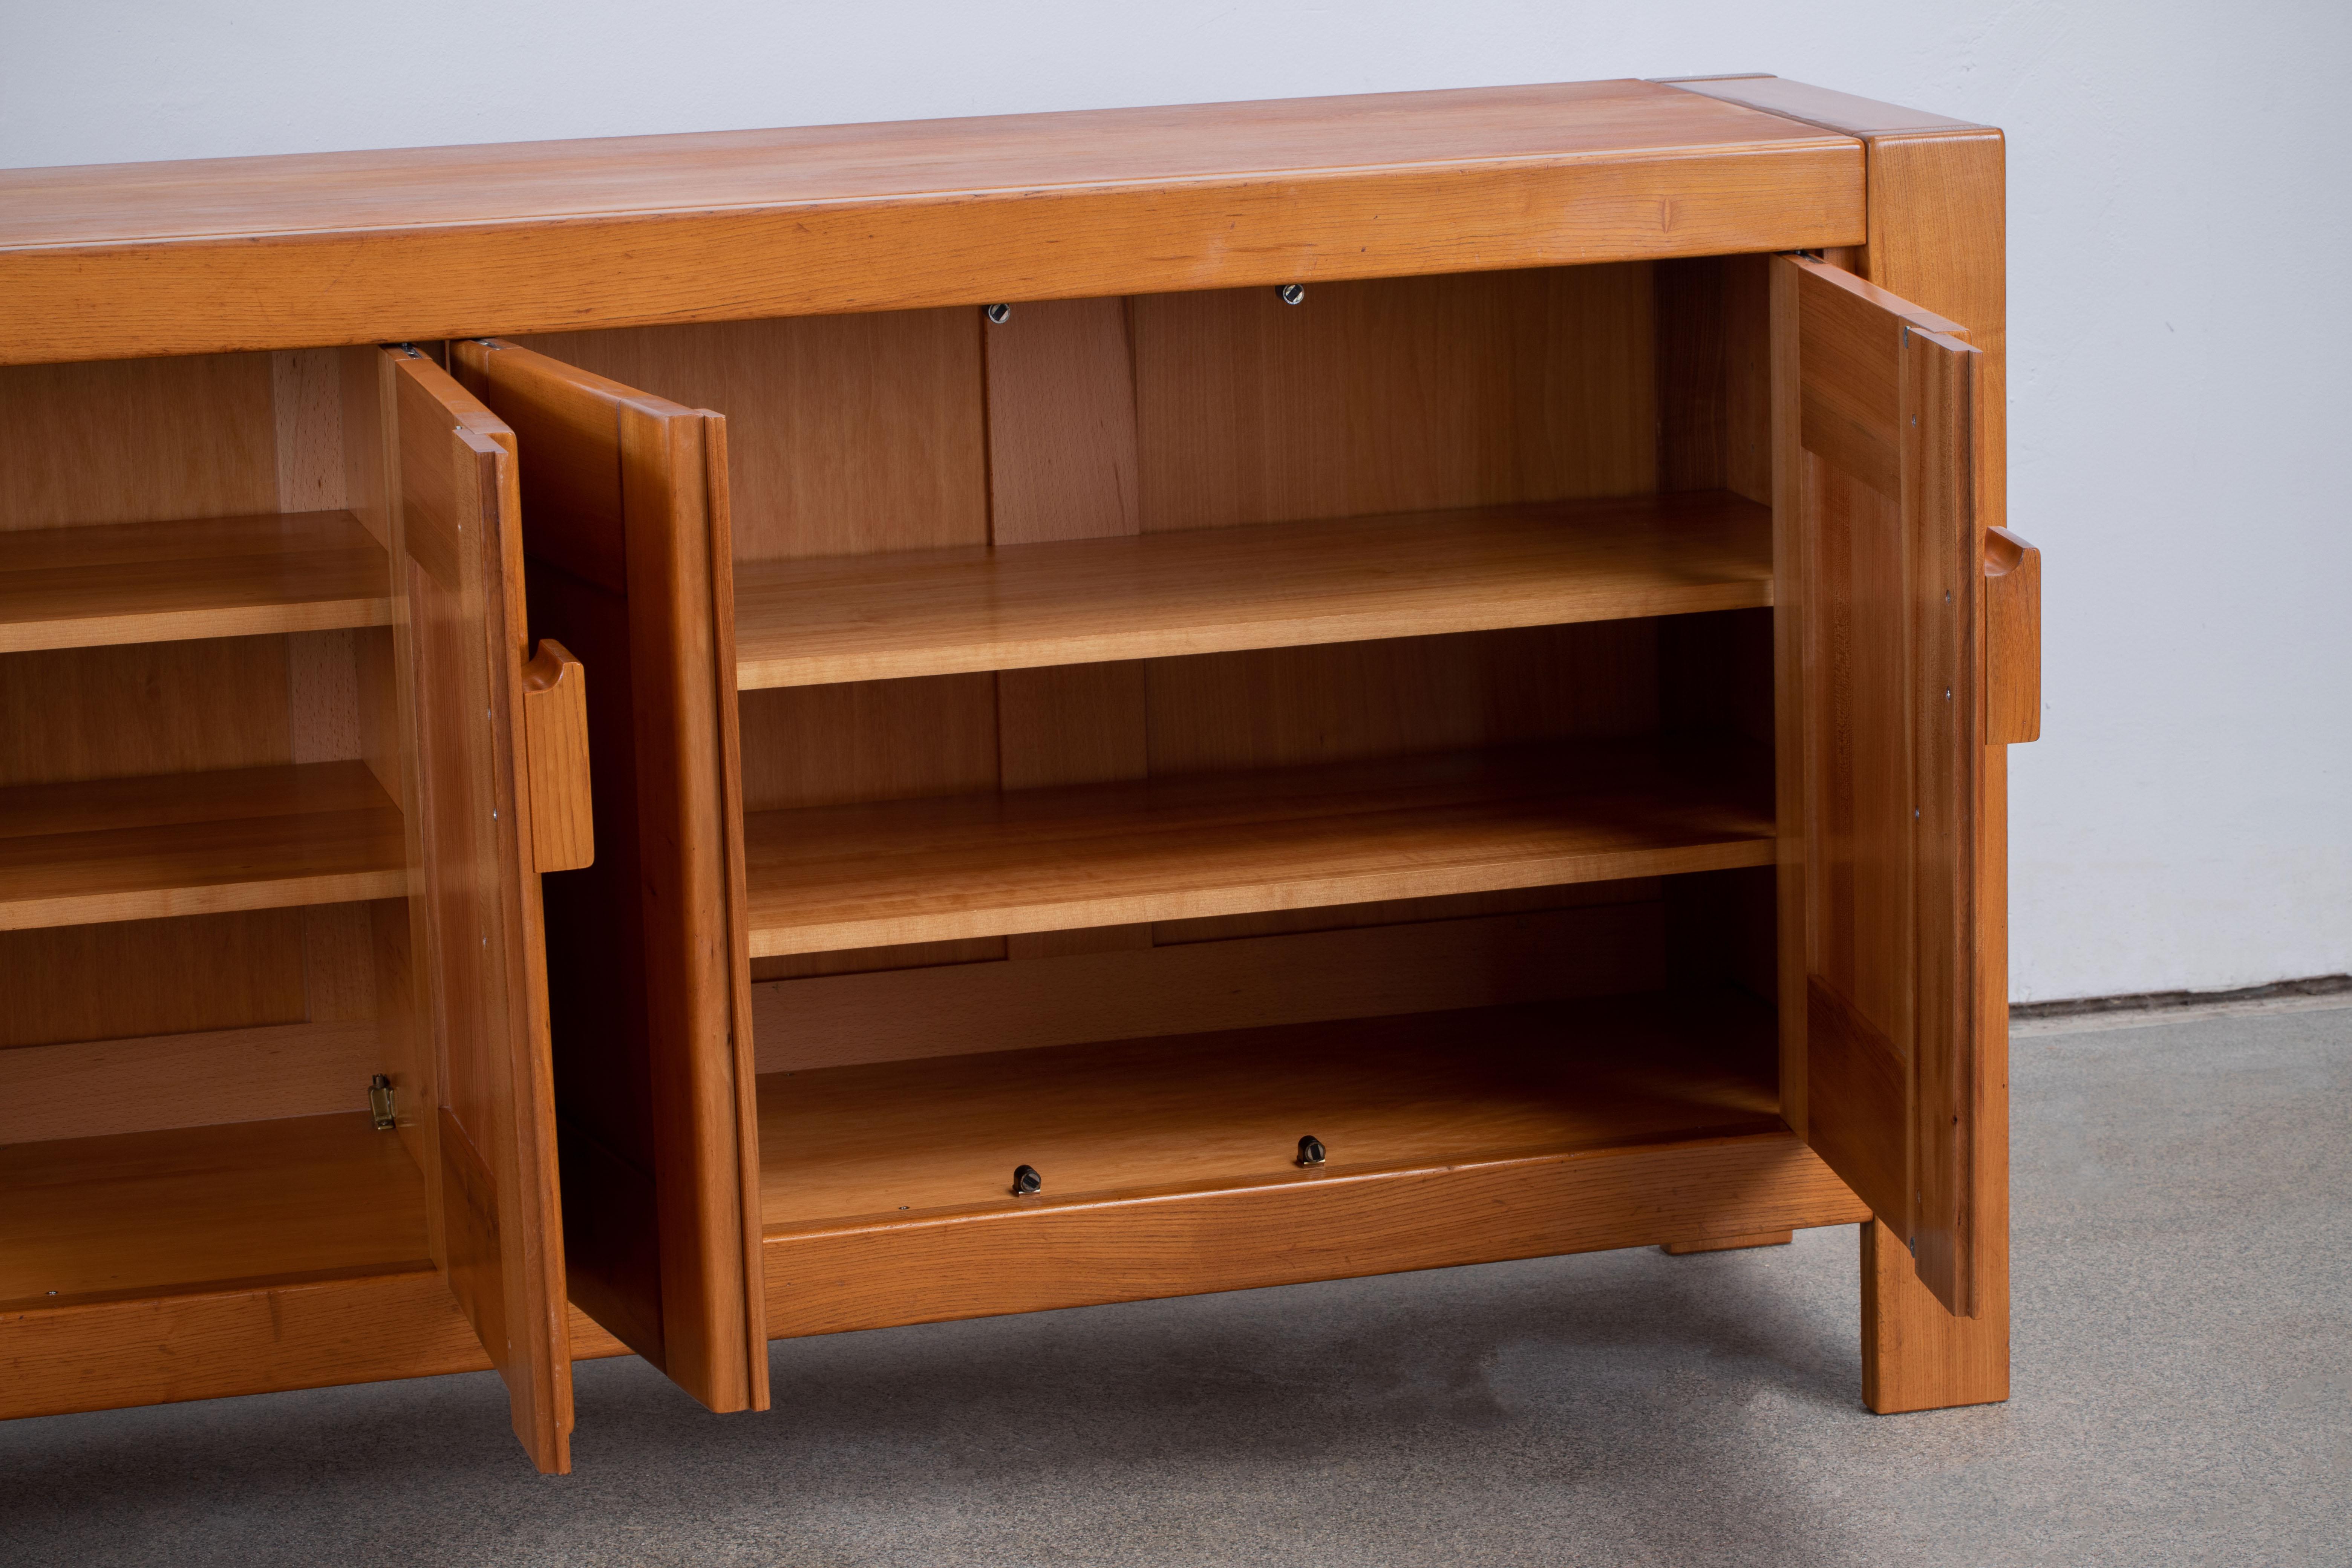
(1170, 1167)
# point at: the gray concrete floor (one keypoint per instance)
(2183, 1395)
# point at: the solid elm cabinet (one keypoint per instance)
(598, 747)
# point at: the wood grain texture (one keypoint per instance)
(1937, 229)
(1227, 844)
(1188, 1112)
(178, 259)
(482, 959)
(1876, 427)
(1169, 1164)
(127, 582)
(307, 406)
(137, 441)
(372, 471)
(1402, 696)
(1218, 590)
(1938, 236)
(2012, 639)
(1374, 971)
(1062, 466)
(99, 1087)
(261, 1339)
(555, 729)
(1394, 395)
(1061, 423)
(201, 972)
(880, 740)
(148, 849)
(138, 708)
(647, 943)
(844, 434)
(158, 1212)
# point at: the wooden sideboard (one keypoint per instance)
(646, 745)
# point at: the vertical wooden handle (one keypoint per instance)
(2012, 643)
(555, 736)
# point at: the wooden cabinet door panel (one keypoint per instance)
(1874, 414)
(624, 519)
(476, 896)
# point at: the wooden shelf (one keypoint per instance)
(149, 1213)
(187, 844)
(940, 612)
(211, 577)
(1169, 1165)
(941, 870)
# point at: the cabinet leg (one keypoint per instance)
(1728, 1243)
(1915, 1355)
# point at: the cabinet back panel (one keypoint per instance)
(1297, 707)
(135, 1025)
(1394, 394)
(141, 709)
(871, 740)
(845, 435)
(1353, 972)
(908, 430)
(135, 709)
(152, 977)
(137, 440)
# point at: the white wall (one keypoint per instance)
(2180, 250)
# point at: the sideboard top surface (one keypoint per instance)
(102, 261)
(526, 181)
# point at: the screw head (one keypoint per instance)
(1292, 293)
(1025, 1181)
(997, 314)
(1310, 1150)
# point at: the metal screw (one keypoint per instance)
(1947, 694)
(1292, 293)
(1310, 1150)
(997, 314)
(1025, 1181)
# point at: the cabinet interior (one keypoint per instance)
(205, 933)
(1117, 805)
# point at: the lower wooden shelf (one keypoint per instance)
(145, 1214)
(190, 844)
(210, 1261)
(1169, 1165)
(1180, 849)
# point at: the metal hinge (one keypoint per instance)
(380, 1104)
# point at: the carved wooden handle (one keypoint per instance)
(555, 733)
(2012, 642)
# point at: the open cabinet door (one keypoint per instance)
(475, 905)
(1874, 404)
(624, 520)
